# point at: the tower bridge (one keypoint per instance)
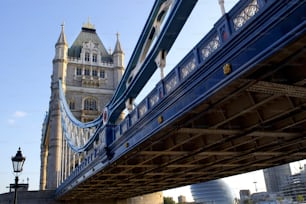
(234, 104)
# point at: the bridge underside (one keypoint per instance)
(255, 122)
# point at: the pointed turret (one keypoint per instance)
(62, 38)
(61, 46)
(118, 48)
(61, 58)
(118, 54)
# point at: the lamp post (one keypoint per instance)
(18, 161)
(221, 3)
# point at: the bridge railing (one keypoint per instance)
(241, 15)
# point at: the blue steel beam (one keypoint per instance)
(177, 17)
(208, 76)
(277, 25)
(137, 51)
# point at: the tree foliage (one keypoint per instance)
(300, 198)
(168, 200)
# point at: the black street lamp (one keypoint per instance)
(18, 161)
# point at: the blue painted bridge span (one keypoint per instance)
(236, 103)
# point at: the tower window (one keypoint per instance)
(102, 74)
(87, 57)
(87, 72)
(79, 71)
(94, 73)
(90, 104)
(94, 57)
(71, 105)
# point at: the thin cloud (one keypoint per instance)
(15, 116)
(19, 114)
(11, 121)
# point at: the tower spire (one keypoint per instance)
(118, 56)
(118, 48)
(62, 37)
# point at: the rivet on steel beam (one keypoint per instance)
(227, 69)
(127, 145)
(160, 119)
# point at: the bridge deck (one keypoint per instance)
(240, 111)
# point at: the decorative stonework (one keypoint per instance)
(246, 14)
(142, 110)
(227, 69)
(210, 47)
(171, 83)
(188, 68)
(154, 99)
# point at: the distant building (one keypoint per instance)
(264, 198)
(295, 187)
(269, 198)
(181, 199)
(244, 196)
(212, 192)
(275, 177)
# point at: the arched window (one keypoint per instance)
(90, 104)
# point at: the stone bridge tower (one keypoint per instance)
(89, 75)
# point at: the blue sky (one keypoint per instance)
(29, 31)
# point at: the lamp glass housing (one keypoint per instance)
(18, 161)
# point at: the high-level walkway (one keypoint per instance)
(236, 103)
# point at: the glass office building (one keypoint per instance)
(277, 176)
(212, 192)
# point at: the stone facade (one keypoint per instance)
(47, 197)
